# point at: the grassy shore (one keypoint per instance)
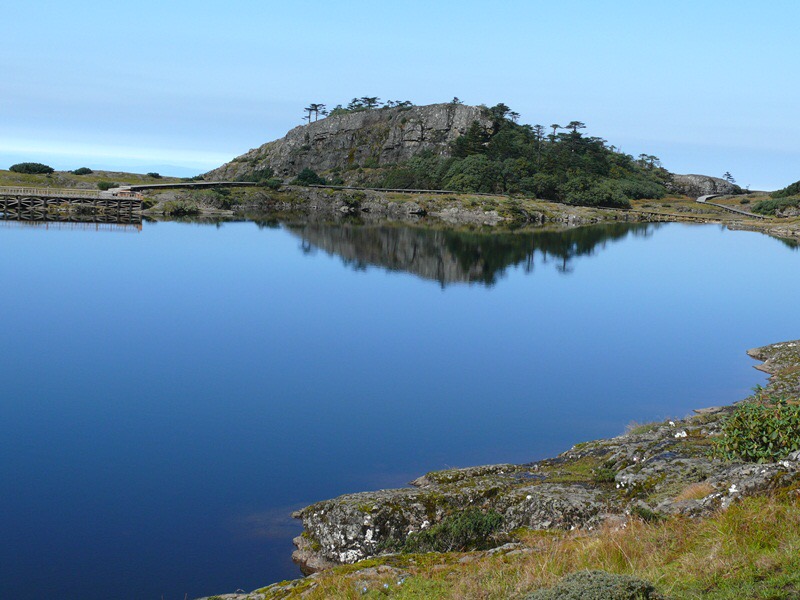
(751, 550)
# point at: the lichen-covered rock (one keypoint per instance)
(598, 585)
(782, 362)
(788, 212)
(387, 135)
(357, 526)
(701, 185)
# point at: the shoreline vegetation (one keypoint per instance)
(676, 509)
(499, 212)
(470, 211)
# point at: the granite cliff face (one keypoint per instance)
(386, 135)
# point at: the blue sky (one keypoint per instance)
(708, 86)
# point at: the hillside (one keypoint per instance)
(67, 179)
(463, 148)
(377, 137)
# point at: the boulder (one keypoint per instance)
(701, 185)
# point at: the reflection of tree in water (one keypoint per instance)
(454, 256)
(790, 243)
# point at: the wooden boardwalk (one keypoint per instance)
(68, 205)
(705, 200)
(51, 192)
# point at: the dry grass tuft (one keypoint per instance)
(695, 491)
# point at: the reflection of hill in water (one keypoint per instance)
(453, 256)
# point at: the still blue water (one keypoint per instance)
(170, 395)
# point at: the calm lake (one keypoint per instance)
(170, 395)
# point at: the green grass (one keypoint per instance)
(65, 179)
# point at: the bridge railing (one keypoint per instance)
(56, 192)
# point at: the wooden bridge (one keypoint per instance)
(69, 205)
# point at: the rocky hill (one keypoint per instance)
(700, 185)
(386, 135)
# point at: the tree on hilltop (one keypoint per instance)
(649, 161)
(318, 109)
(370, 102)
(356, 104)
(575, 125)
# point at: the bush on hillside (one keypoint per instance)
(598, 585)
(772, 206)
(181, 208)
(272, 183)
(154, 175)
(258, 175)
(585, 191)
(31, 168)
(82, 171)
(105, 185)
(308, 177)
(790, 190)
(460, 532)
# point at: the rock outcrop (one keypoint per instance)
(385, 136)
(701, 185)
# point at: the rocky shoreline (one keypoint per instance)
(652, 472)
(494, 213)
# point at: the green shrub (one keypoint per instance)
(770, 207)
(154, 175)
(105, 185)
(638, 189)
(475, 173)
(467, 530)
(82, 171)
(181, 208)
(585, 191)
(760, 430)
(789, 190)
(646, 514)
(259, 175)
(31, 168)
(744, 201)
(598, 585)
(148, 203)
(371, 163)
(308, 177)
(605, 473)
(273, 183)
